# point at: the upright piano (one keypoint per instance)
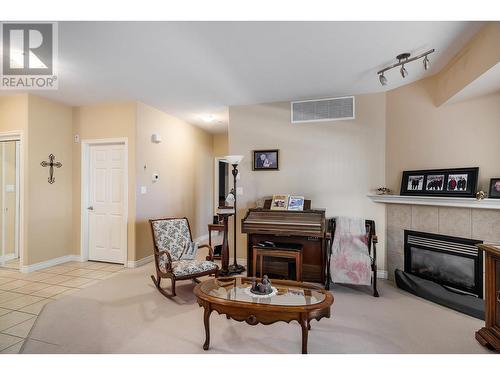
(307, 228)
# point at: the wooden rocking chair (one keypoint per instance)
(170, 236)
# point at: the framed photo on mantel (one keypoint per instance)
(456, 182)
(494, 188)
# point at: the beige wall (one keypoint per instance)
(480, 54)
(49, 217)
(423, 136)
(14, 113)
(335, 164)
(46, 128)
(183, 160)
(220, 144)
(106, 120)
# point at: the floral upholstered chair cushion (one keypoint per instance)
(171, 235)
(189, 267)
(185, 267)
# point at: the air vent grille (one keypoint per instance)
(330, 109)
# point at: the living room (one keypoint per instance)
(243, 187)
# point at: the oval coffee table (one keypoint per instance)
(294, 301)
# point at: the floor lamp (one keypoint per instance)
(234, 160)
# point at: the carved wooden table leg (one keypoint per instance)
(206, 320)
(304, 324)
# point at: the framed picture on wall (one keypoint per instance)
(494, 188)
(456, 182)
(265, 160)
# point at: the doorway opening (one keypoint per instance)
(10, 203)
(221, 179)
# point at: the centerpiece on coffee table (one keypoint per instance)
(263, 289)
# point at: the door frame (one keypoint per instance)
(216, 182)
(18, 135)
(84, 190)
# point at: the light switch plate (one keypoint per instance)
(144, 190)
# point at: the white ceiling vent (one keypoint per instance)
(330, 109)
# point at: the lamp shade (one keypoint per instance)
(233, 159)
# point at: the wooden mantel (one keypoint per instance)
(492, 204)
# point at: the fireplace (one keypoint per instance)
(453, 262)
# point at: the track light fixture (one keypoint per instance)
(383, 80)
(403, 59)
(403, 71)
(427, 63)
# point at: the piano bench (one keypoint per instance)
(294, 253)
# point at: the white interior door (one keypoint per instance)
(107, 227)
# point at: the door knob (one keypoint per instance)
(90, 208)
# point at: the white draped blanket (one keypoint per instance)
(350, 262)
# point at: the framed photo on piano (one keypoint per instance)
(280, 202)
(295, 203)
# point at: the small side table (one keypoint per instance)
(278, 252)
(214, 228)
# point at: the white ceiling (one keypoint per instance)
(189, 69)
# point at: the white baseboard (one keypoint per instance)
(50, 263)
(140, 262)
(201, 238)
(7, 257)
(381, 274)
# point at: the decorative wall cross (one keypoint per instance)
(51, 166)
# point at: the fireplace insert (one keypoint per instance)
(453, 262)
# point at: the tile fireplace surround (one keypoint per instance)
(475, 223)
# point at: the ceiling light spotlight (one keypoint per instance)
(427, 63)
(383, 80)
(403, 71)
(403, 59)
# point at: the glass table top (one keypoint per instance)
(237, 289)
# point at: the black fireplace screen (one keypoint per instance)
(450, 261)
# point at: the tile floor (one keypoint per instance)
(23, 295)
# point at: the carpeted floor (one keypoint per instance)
(126, 314)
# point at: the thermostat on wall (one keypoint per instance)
(155, 177)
